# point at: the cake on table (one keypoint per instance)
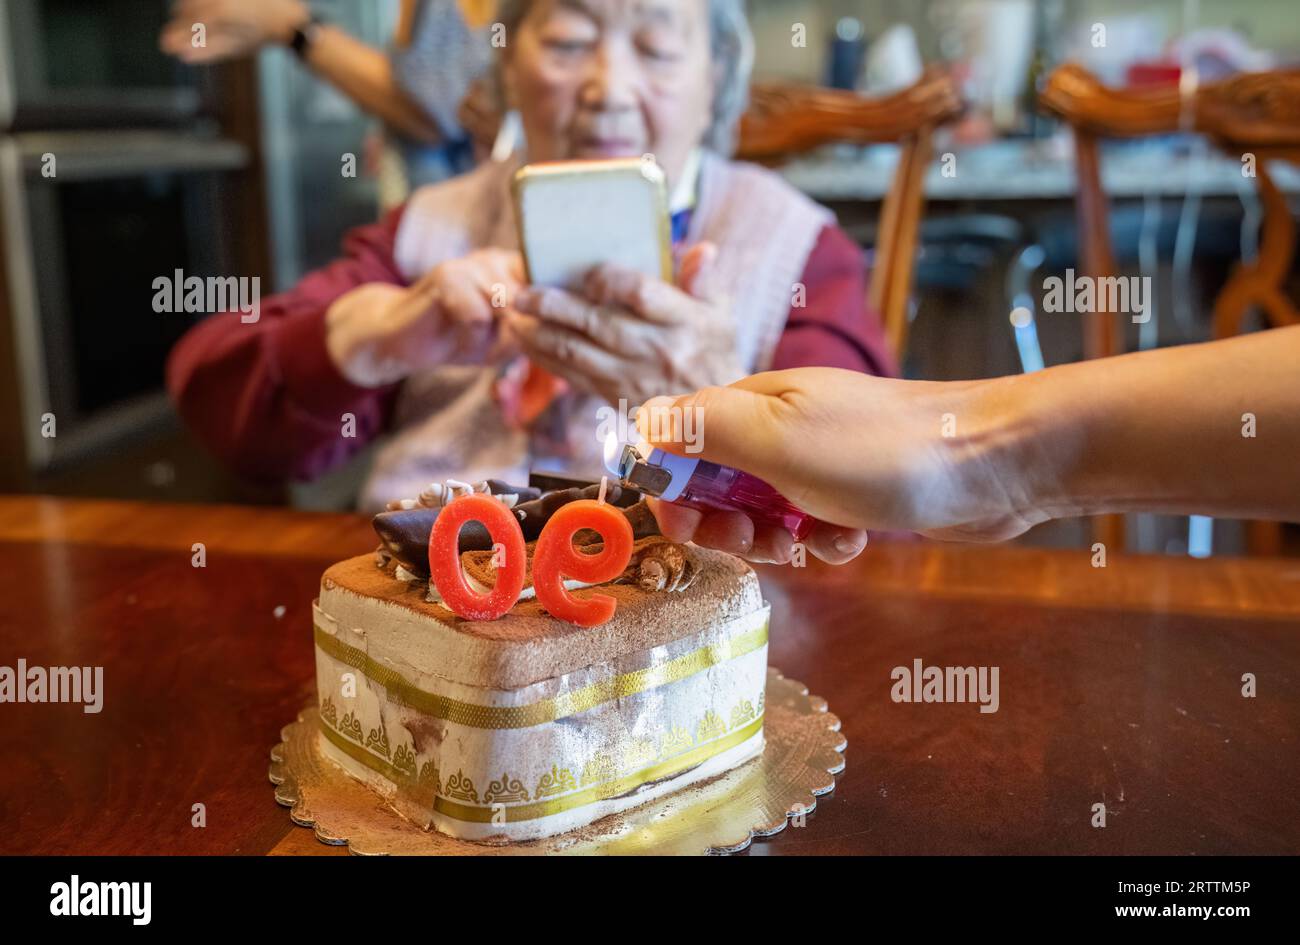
(528, 725)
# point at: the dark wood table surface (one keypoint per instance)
(1119, 685)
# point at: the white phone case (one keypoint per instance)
(575, 215)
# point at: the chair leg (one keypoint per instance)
(1263, 539)
(891, 277)
(1100, 337)
(1109, 530)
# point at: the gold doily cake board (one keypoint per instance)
(799, 763)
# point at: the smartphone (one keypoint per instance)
(576, 215)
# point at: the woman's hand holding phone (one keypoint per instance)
(626, 335)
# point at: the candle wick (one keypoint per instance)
(604, 485)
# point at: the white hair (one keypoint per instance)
(732, 48)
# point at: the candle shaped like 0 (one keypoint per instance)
(444, 557)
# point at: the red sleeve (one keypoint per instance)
(834, 328)
(265, 396)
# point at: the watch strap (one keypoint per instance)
(303, 35)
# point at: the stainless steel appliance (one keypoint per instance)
(307, 129)
(82, 249)
(74, 64)
(113, 172)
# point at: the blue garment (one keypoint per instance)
(436, 68)
(432, 163)
(681, 222)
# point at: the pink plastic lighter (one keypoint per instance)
(699, 484)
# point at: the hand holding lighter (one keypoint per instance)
(702, 485)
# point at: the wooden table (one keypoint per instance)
(1118, 685)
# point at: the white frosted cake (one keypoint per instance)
(528, 726)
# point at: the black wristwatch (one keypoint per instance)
(305, 35)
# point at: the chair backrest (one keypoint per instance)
(1256, 114)
(787, 120)
(1253, 113)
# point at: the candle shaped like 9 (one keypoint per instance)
(554, 559)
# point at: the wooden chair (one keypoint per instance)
(1257, 113)
(787, 120)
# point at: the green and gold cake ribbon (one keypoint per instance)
(402, 691)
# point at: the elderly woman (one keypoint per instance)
(426, 331)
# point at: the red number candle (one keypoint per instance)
(444, 557)
(555, 558)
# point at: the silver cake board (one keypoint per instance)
(804, 752)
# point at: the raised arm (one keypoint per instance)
(241, 27)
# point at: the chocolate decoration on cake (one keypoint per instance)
(534, 515)
(439, 494)
(662, 565)
(404, 533)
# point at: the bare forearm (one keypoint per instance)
(1208, 429)
(365, 75)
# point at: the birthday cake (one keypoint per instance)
(525, 725)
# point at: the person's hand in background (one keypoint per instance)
(859, 451)
(232, 28)
(379, 333)
(629, 336)
(236, 28)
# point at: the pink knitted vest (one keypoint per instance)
(447, 424)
